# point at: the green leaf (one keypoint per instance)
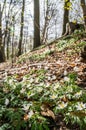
(46, 127)
(40, 127)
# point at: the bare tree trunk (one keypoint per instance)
(66, 16)
(13, 39)
(21, 29)
(83, 4)
(45, 30)
(2, 54)
(8, 41)
(36, 24)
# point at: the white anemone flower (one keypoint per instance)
(57, 85)
(76, 69)
(30, 114)
(78, 94)
(65, 72)
(26, 107)
(24, 79)
(11, 81)
(22, 90)
(31, 80)
(81, 106)
(28, 85)
(62, 105)
(53, 96)
(7, 101)
(66, 79)
(53, 77)
(39, 89)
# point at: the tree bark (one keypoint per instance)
(66, 16)
(21, 29)
(36, 24)
(83, 4)
(2, 55)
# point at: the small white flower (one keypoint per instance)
(28, 86)
(66, 79)
(22, 90)
(41, 84)
(24, 79)
(78, 94)
(47, 85)
(5, 90)
(53, 96)
(30, 114)
(65, 72)
(31, 80)
(37, 80)
(46, 67)
(57, 85)
(62, 105)
(39, 66)
(76, 69)
(14, 86)
(11, 81)
(81, 106)
(49, 78)
(7, 101)
(5, 74)
(26, 107)
(53, 77)
(39, 90)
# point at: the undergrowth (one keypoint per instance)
(33, 104)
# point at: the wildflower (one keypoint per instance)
(26, 107)
(78, 94)
(7, 101)
(53, 96)
(62, 105)
(28, 85)
(49, 78)
(24, 79)
(41, 84)
(66, 79)
(11, 81)
(39, 90)
(31, 80)
(56, 86)
(46, 68)
(47, 85)
(5, 90)
(30, 114)
(65, 72)
(81, 106)
(14, 86)
(39, 66)
(76, 69)
(53, 77)
(22, 90)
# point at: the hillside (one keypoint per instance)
(45, 89)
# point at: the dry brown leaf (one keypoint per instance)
(78, 113)
(26, 117)
(48, 113)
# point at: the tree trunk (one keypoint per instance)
(45, 30)
(83, 4)
(36, 24)
(66, 16)
(21, 29)
(2, 55)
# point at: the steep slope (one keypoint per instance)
(45, 88)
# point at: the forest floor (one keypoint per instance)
(50, 65)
